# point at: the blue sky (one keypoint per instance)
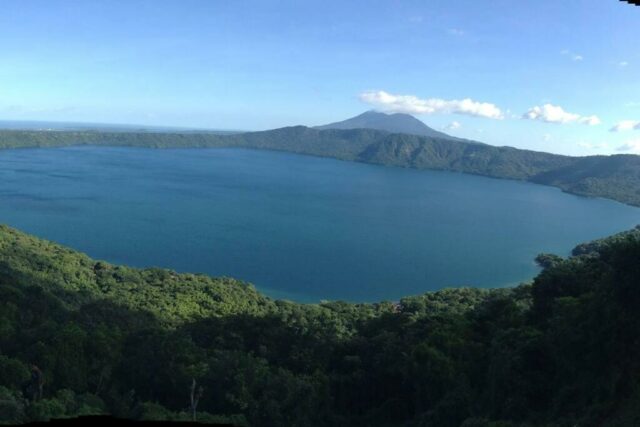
(546, 75)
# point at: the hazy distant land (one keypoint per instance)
(615, 177)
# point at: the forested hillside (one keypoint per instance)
(614, 177)
(561, 351)
(481, 159)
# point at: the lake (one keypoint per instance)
(298, 227)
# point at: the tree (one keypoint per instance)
(195, 398)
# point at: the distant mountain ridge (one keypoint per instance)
(615, 177)
(394, 123)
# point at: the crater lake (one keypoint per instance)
(297, 227)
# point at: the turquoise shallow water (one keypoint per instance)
(298, 227)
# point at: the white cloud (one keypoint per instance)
(574, 56)
(452, 126)
(625, 125)
(555, 114)
(414, 105)
(550, 113)
(590, 120)
(623, 63)
(631, 146)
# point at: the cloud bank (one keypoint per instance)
(625, 125)
(414, 105)
(555, 114)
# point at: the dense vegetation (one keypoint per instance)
(615, 177)
(561, 351)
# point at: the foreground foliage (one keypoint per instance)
(615, 177)
(561, 351)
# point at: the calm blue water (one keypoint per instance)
(298, 227)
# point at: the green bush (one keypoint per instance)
(46, 409)
(11, 407)
(13, 373)
(153, 411)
